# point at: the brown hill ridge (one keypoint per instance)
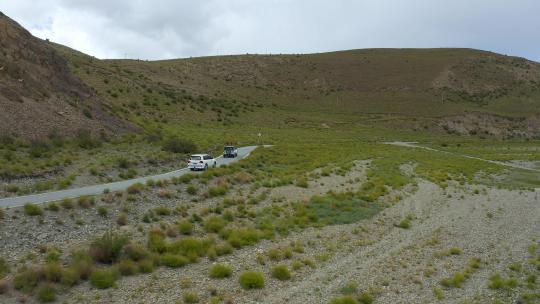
(39, 94)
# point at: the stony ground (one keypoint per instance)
(449, 228)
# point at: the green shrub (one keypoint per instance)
(135, 188)
(405, 223)
(281, 272)
(4, 267)
(163, 211)
(156, 241)
(219, 271)
(191, 189)
(107, 248)
(70, 277)
(103, 278)
(102, 211)
(67, 203)
(33, 210)
(185, 227)
(496, 281)
(189, 247)
(26, 280)
(218, 190)
(455, 251)
(52, 207)
(127, 267)
(46, 293)
(122, 219)
(83, 264)
(344, 300)
(39, 148)
(190, 297)
(135, 251)
(174, 260)
(251, 280)
(456, 280)
(146, 266)
(178, 145)
(86, 202)
(52, 272)
(243, 236)
(85, 140)
(222, 249)
(214, 224)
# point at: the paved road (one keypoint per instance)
(413, 144)
(243, 152)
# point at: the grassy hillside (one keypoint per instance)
(40, 96)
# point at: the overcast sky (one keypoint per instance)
(163, 29)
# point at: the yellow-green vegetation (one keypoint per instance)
(103, 279)
(281, 272)
(4, 267)
(33, 209)
(190, 297)
(251, 280)
(406, 222)
(219, 271)
(459, 278)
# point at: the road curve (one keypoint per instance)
(243, 152)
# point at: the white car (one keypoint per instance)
(201, 162)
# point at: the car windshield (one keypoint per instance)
(229, 148)
(195, 157)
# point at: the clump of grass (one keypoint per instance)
(67, 204)
(174, 260)
(2, 213)
(456, 280)
(102, 211)
(185, 227)
(240, 237)
(405, 223)
(32, 210)
(439, 294)
(127, 267)
(191, 189)
(455, 251)
(52, 207)
(146, 266)
(218, 190)
(251, 280)
(107, 248)
(496, 281)
(214, 224)
(219, 271)
(135, 188)
(190, 297)
(163, 211)
(135, 251)
(85, 202)
(26, 280)
(122, 219)
(103, 278)
(4, 267)
(302, 182)
(281, 272)
(46, 293)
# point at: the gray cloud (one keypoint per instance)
(181, 28)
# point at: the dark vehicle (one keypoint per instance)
(230, 151)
